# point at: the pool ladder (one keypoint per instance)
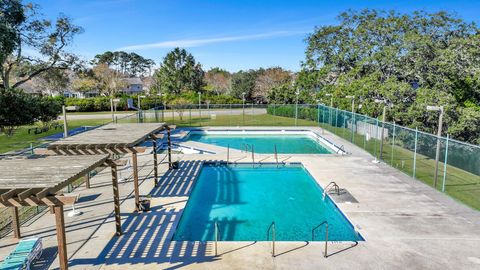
(271, 231)
(329, 187)
(326, 235)
(217, 232)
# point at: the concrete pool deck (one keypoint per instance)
(406, 224)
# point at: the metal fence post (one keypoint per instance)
(375, 140)
(353, 128)
(415, 153)
(445, 165)
(393, 144)
(336, 120)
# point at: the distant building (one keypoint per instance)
(134, 86)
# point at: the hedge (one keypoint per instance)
(307, 113)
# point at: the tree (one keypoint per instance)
(16, 109)
(48, 110)
(218, 80)
(268, 80)
(21, 28)
(179, 73)
(128, 64)
(109, 81)
(410, 60)
(244, 82)
(180, 105)
(52, 81)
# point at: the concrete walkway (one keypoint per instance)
(406, 224)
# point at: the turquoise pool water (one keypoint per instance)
(286, 144)
(244, 201)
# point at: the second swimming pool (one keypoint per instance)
(243, 201)
(287, 143)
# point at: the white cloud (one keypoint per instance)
(188, 43)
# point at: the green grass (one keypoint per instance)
(21, 139)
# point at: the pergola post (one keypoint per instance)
(155, 161)
(135, 180)
(87, 180)
(15, 223)
(169, 141)
(116, 199)
(61, 238)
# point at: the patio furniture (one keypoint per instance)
(26, 252)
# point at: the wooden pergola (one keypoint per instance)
(33, 182)
(116, 139)
(40, 181)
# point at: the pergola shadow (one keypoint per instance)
(147, 240)
(178, 182)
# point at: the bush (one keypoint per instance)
(17, 109)
(48, 109)
(96, 104)
(307, 113)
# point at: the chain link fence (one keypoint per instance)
(457, 172)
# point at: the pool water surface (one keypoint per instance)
(244, 201)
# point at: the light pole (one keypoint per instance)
(139, 97)
(296, 106)
(353, 103)
(199, 104)
(161, 103)
(243, 107)
(383, 123)
(439, 135)
(353, 113)
(331, 106)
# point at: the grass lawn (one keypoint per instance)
(22, 139)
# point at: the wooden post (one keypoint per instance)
(169, 148)
(61, 238)
(65, 126)
(116, 199)
(155, 162)
(135, 181)
(15, 223)
(87, 181)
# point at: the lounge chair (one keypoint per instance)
(26, 251)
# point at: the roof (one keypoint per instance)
(134, 80)
(111, 136)
(43, 176)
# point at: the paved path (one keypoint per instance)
(406, 224)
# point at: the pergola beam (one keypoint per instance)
(34, 201)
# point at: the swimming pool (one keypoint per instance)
(244, 201)
(264, 142)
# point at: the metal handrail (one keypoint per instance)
(276, 155)
(326, 235)
(327, 188)
(217, 231)
(228, 153)
(253, 155)
(272, 228)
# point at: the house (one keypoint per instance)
(134, 86)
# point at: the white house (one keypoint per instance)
(134, 86)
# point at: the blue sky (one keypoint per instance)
(232, 35)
